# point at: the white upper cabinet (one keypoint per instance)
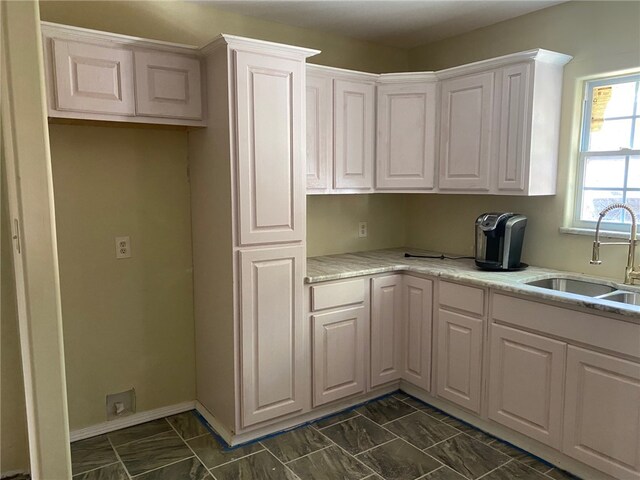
(168, 85)
(319, 131)
(93, 79)
(405, 154)
(354, 141)
(271, 177)
(466, 132)
(93, 75)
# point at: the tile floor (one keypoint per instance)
(393, 438)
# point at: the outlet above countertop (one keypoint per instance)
(336, 267)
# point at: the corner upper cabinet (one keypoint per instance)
(94, 75)
(405, 153)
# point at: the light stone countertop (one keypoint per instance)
(335, 267)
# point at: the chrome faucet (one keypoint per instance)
(630, 275)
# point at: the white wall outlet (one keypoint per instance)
(362, 229)
(123, 247)
(121, 404)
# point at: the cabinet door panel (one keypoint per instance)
(354, 110)
(338, 354)
(270, 162)
(386, 329)
(418, 308)
(319, 131)
(272, 336)
(466, 132)
(602, 412)
(90, 78)
(168, 85)
(515, 128)
(405, 155)
(459, 359)
(526, 381)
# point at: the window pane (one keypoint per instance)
(604, 172)
(594, 201)
(610, 135)
(636, 135)
(614, 100)
(633, 180)
(633, 200)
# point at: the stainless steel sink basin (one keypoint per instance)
(630, 298)
(569, 285)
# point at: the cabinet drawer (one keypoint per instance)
(337, 294)
(462, 297)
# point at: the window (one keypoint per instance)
(609, 162)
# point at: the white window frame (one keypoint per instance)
(584, 153)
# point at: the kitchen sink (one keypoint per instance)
(630, 298)
(570, 285)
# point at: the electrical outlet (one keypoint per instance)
(362, 229)
(121, 404)
(123, 247)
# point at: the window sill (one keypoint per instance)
(592, 232)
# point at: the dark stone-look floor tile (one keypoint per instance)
(514, 471)
(262, 465)
(115, 471)
(358, 434)
(521, 456)
(91, 453)
(443, 473)
(468, 456)
(332, 420)
(400, 396)
(558, 474)
(421, 430)
(469, 430)
(153, 452)
(189, 469)
(397, 460)
(187, 425)
(212, 453)
(329, 464)
(296, 443)
(428, 409)
(385, 410)
(138, 432)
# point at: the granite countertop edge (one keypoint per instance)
(350, 265)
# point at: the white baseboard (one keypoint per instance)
(130, 420)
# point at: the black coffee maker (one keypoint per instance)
(499, 239)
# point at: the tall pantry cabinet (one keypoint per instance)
(248, 219)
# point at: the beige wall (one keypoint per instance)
(602, 37)
(128, 322)
(14, 449)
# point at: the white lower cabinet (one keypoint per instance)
(272, 334)
(338, 354)
(386, 329)
(417, 301)
(602, 413)
(526, 380)
(460, 359)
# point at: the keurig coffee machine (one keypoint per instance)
(499, 238)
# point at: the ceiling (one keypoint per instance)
(397, 23)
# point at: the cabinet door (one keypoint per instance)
(515, 128)
(94, 79)
(168, 85)
(602, 413)
(405, 154)
(386, 329)
(319, 131)
(272, 335)
(460, 359)
(354, 110)
(526, 380)
(270, 160)
(338, 354)
(466, 132)
(417, 318)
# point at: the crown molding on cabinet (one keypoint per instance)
(250, 44)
